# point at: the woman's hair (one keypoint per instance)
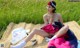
(53, 4)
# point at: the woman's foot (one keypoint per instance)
(47, 39)
(54, 37)
(19, 45)
(34, 42)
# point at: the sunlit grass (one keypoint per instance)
(31, 11)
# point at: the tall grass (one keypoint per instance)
(31, 11)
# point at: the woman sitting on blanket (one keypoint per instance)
(53, 26)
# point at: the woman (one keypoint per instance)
(51, 17)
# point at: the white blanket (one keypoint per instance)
(18, 34)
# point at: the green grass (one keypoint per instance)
(31, 11)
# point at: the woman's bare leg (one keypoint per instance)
(38, 32)
(61, 32)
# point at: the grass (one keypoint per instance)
(31, 11)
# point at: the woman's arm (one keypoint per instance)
(45, 20)
(60, 18)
